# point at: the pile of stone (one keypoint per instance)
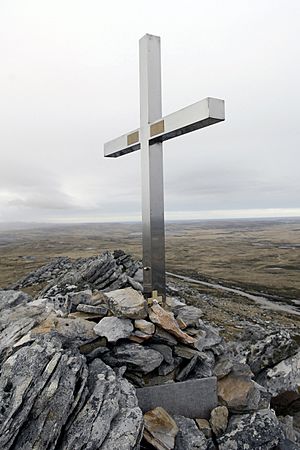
(111, 270)
(89, 368)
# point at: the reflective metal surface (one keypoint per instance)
(154, 129)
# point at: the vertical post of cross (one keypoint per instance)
(152, 167)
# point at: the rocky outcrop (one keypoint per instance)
(72, 358)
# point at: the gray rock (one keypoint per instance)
(165, 351)
(287, 426)
(10, 298)
(270, 351)
(163, 337)
(127, 303)
(60, 304)
(200, 366)
(109, 418)
(208, 337)
(97, 310)
(190, 315)
(114, 328)
(37, 391)
(185, 352)
(189, 436)
(285, 376)
(135, 357)
(81, 297)
(223, 367)
(260, 430)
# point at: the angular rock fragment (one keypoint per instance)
(127, 303)
(284, 376)
(100, 310)
(200, 366)
(167, 321)
(207, 337)
(204, 426)
(113, 328)
(239, 393)
(82, 297)
(190, 315)
(219, 420)
(136, 357)
(189, 435)
(145, 326)
(10, 299)
(160, 429)
(70, 331)
(271, 350)
(163, 337)
(260, 430)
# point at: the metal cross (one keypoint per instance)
(154, 129)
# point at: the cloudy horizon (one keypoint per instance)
(69, 82)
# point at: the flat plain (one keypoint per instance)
(260, 255)
(257, 256)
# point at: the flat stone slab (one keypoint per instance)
(192, 398)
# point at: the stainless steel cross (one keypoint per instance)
(154, 129)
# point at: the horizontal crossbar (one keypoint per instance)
(199, 115)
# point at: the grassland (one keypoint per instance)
(258, 255)
(255, 255)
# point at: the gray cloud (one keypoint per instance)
(69, 82)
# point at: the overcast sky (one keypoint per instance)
(69, 82)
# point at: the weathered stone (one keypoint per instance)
(39, 386)
(260, 430)
(144, 326)
(167, 321)
(163, 337)
(219, 420)
(100, 310)
(139, 337)
(190, 315)
(287, 426)
(286, 444)
(200, 366)
(174, 304)
(127, 303)
(204, 426)
(165, 351)
(135, 357)
(193, 398)
(207, 337)
(270, 351)
(114, 328)
(60, 304)
(189, 435)
(185, 352)
(82, 297)
(239, 393)
(10, 298)
(109, 418)
(160, 429)
(223, 367)
(166, 368)
(70, 331)
(285, 376)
